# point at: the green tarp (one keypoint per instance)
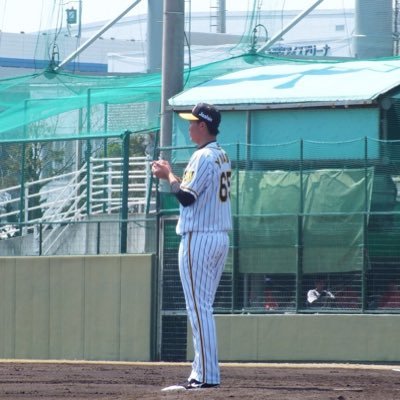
(279, 230)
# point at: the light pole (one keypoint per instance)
(80, 19)
(88, 42)
(74, 16)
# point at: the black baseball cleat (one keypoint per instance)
(190, 385)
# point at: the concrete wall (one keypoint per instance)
(336, 338)
(100, 308)
(83, 307)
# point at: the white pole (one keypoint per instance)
(154, 35)
(221, 25)
(172, 63)
(373, 29)
(80, 20)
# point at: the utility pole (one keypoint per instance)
(154, 35)
(80, 19)
(221, 16)
(373, 29)
(218, 16)
(396, 27)
(172, 65)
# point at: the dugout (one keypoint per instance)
(315, 151)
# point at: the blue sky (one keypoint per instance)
(36, 15)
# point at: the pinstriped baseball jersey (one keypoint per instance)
(207, 178)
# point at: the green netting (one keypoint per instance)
(72, 106)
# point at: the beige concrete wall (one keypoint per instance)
(76, 307)
(99, 308)
(351, 338)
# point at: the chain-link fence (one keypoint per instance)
(304, 222)
(296, 220)
(300, 225)
(77, 197)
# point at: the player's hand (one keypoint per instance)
(161, 169)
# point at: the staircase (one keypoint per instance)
(93, 191)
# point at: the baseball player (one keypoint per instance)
(204, 222)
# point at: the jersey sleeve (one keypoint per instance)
(196, 175)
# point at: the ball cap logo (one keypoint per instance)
(205, 116)
(204, 112)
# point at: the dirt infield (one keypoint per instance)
(46, 380)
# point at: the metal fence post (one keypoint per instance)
(109, 187)
(125, 193)
(98, 238)
(105, 154)
(88, 154)
(365, 227)
(300, 233)
(26, 208)
(236, 225)
(88, 177)
(40, 239)
(22, 189)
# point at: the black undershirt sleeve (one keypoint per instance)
(185, 198)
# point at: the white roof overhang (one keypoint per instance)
(297, 85)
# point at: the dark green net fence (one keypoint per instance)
(296, 223)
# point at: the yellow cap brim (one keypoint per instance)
(188, 116)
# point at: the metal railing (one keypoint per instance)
(45, 207)
(106, 184)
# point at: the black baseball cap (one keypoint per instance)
(204, 112)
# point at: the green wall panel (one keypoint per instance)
(135, 338)
(338, 125)
(7, 307)
(67, 308)
(320, 128)
(327, 337)
(76, 307)
(102, 307)
(32, 308)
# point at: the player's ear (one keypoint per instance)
(203, 124)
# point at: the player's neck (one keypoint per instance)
(205, 144)
(205, 140)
